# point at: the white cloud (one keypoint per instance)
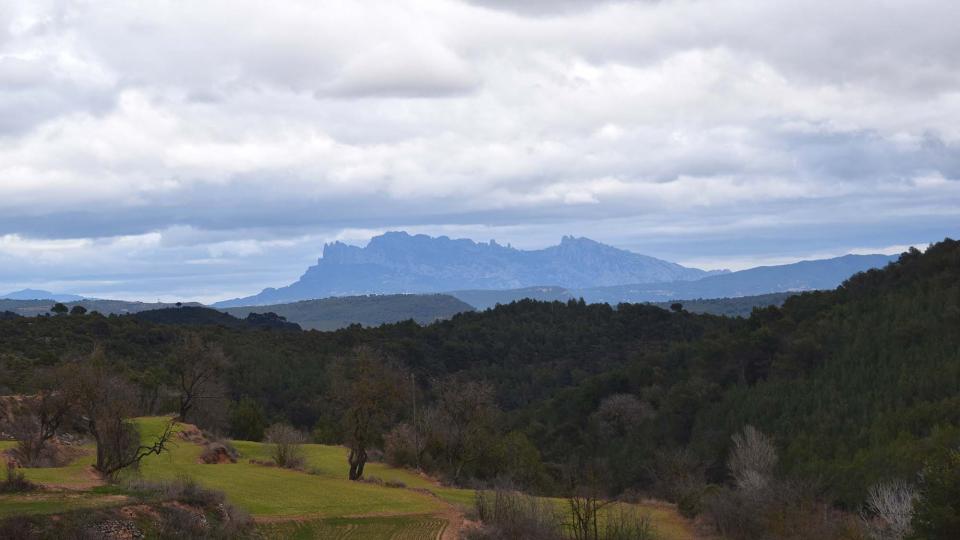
(226, 128)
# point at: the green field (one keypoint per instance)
(319, 502)
(398, 527)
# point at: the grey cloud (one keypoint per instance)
(668, 127)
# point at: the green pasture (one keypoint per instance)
(319, 502)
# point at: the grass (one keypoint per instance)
(52, 503)
(74, 474)
(320, 503)
(397, 527)
(274, 492)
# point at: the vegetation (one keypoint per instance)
(369, 310)
(845, 390)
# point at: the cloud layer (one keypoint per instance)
(205, 149)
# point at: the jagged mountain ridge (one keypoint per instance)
(397, 262)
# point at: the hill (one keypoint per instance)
(34, 294)
(372, 310)
(31, 308)
(731, 307)
(397, 262)
(201, 316)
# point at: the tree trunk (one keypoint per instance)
(358, 458)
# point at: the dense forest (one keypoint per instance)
(854, 386)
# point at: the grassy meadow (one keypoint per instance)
(319, 502)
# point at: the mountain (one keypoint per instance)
(812, 275)
(397, 262)
(374, 310)
(801, 276)
(34, 294)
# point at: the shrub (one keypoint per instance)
(508, 514)
(626, 523)
(400, 446)
(15, 481)
(286, 449)
(889, 510)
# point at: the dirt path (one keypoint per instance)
(454, 524)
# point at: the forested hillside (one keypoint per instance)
(854, 385)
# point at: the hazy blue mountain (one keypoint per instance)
(372, 310)
(397, 262)
(34, 294)
(801, 276)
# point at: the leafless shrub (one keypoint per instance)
(15, 481)
(623, 522)
(400, 446)
(780, 510)
(286, 446)
(508, 514)
(752, 459)
(888, 511)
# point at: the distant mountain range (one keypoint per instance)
(801, 276)
(372, 285)
(397, 262)
(484, 274)
(35, 294)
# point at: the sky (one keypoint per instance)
(202, 150)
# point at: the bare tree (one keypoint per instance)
(752, 459)
(463, 421)
(196, 366)
(41, 418)
(585, 501)
(286, 445)
(369, 390)
(619, 414)
(106, 402)
(888, 512)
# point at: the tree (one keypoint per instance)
(937, 513)
(59, 309)
(41, 417)
(463, 422)
(889, 510)
(619, 414)
(247, 421)
(196, 366)
(368, 389)
(78, 310)
(752, 459)
(106, 402)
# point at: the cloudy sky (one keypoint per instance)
(207, 149)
